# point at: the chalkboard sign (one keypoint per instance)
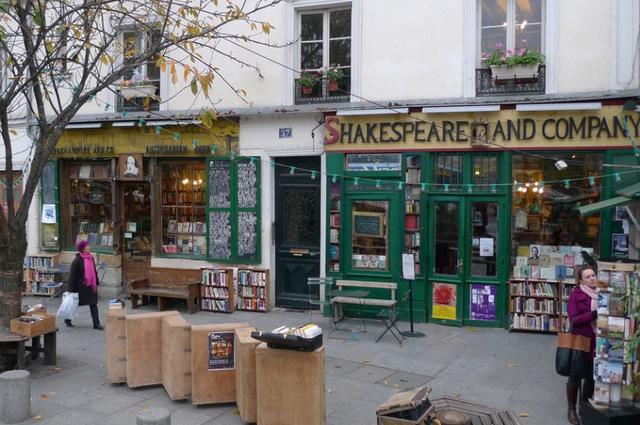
(220, 235)
(247, 234)
(48, 183)
(220, 184)
(247, 184)
(368, 224)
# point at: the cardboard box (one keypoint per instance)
(31, 329)
(290, 386)
(176, 357)
(246, 374)
(144, 348)
(213, 368)
(116, 346)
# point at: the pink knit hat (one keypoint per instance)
(80, 246)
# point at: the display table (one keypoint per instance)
(246, 374)
(609, 415)
(116, 346)
(290, 386)
(213, 369)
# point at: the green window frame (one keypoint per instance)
(50, 191)
(233, 210)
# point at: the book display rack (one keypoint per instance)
(333, 257)
(253, 289)
(216, 290)
(534, 305)
(40, 276)
(616, 362)
(412, 209)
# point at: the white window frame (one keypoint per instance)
(326, 39)
(293, 58)
(511, 28)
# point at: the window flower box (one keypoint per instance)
(514, 72)
(147, 90)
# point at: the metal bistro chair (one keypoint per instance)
(389, 317)
(319, 288)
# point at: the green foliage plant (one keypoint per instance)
(511, 58)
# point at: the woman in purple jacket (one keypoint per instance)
(583, 312)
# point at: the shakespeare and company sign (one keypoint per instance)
(510, 129)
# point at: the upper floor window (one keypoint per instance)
(136, 42)
(510, 24)
(325, 43)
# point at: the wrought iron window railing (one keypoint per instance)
(324, 91)
(487, 86)
(142, 103)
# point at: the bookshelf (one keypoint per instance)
(333, 254)
(534, 305)
(566, 288)
(253, 289)
(412, 208)
(40, 270)
(216, 290)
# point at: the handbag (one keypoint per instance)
(573, 355)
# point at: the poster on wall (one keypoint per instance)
(49, 214)
(221, 352)
(445, 296)
(483, 302)
(130, 166)
(619, 245)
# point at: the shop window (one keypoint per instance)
(325, 42)
(148, 74)
(373, 162)
(448, 172)
(90, 204)
(370, 235)
(446, 234)
(234, 210)
(485, 171)
(545, 219)
(183, 206)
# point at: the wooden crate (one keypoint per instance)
(290, 386)
(212, 384)
(176, 357)
(31, 329)
(144, 348)
(116, 346)
(246, 374)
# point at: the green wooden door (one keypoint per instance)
(467, 260)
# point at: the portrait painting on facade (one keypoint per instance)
(130, 166)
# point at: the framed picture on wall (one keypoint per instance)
(130, 166)
(619, 245)
(621, 213)
(368, 224)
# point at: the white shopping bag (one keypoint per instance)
(69, 306)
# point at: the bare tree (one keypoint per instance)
(59, 54)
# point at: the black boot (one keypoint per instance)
(587, 390)
(94, 317)
(572, 397)
(68, 323)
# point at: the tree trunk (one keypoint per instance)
(12, 252)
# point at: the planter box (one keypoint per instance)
(138, 91)
(45, 325)
(515, 72)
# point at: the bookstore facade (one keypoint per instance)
(482, 200)
(153, 190)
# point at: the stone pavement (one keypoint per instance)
(490, 366)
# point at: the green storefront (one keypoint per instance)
(467, 194)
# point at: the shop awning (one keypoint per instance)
(625, 195)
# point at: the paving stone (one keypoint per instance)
(370, 374)
(404, 381)
(339, 366)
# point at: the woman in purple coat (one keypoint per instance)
(583, 312)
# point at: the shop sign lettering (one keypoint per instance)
(84, 150)
(457, 131)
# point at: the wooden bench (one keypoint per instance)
(167, 283)
(347, 285)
